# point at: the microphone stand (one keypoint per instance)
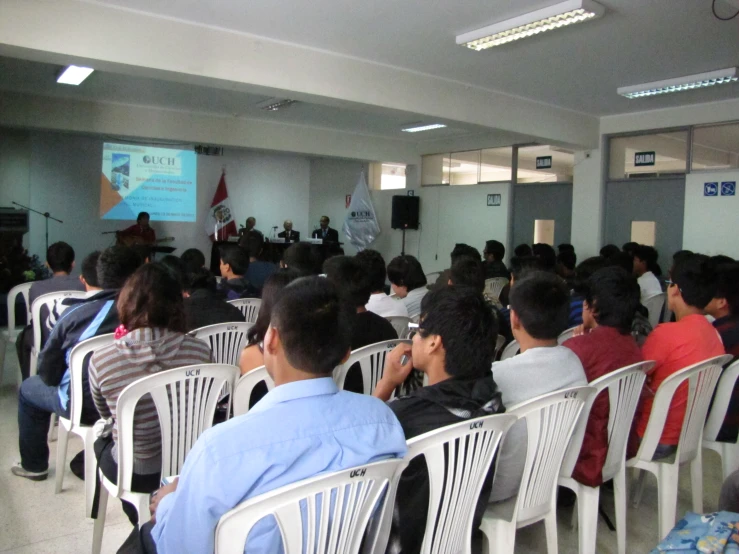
(47, 215)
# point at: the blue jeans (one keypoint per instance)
(36, 402)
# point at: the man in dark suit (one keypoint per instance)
(325, 232)
(288, 234)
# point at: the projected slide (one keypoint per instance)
(161, 181)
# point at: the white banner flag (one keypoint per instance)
(360, 226)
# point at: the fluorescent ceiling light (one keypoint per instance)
(689, 82)
(274, 104)
(418, 127)
(532, 23)
(74, 75)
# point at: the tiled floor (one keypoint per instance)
(35, 520)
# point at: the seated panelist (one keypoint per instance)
(325, 232)
(288, 234)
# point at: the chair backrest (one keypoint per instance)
(654, 305)
(458, 458)
(226, 340)
(566, 335)
(721, 399)
(624, 389)
(550, 421)
(185, 399)
(51, 301)
(432, 277)
(494, 286)
(249, 307)
(244, 387)
(337, 508)
(23, 289)
(400, 324)
(372, 361)
(511, 349)
(77, 357)
(499, 342)
(702, 378)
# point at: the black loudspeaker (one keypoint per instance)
(405, 212)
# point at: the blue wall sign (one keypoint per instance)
(710, 189)
(728, 188)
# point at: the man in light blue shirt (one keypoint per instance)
(305, 426)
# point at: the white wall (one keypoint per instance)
(710, 225)
(588, 191)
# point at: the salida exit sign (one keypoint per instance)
(644, 158)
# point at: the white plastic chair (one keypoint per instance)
(550, 421)
(73, 425)
(185, 400)
(372, 361)
(249, 307)
(624, 388)
(329, 527)
(499, 342)
(10, 334)
(244, 387)
(566, 335)
(50, 301)
(729, 451)
(494, 286)
(400, 324)
(654, 305)
(432, 277)
(702, 378)
(511, 349)
(226, 340)
(458, 458)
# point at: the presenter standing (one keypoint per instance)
(325, 232)
(288, 234)
(247, 231)
(139, 233)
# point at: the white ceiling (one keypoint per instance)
(578, 67)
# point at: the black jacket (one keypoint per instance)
(205, 307)
(294, 236)
(332, 235)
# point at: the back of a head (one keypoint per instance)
(647, 254)
(374, 266)
(496, 249)
(90, 269)
(568, 259)
(467, 327)
(613, 296)
(350, 279)
(546, 253)
(60, 257)
(719, 260)
(468, 272)
(629, 247)
(461, 249)
(727, 286)
(406, 271)
(143, 251)
(193, 259)
(565, 247)
(176, 267)
(609, 250)
(542, 303)
(313, 324)
(622, 260)
(236, 257)
(697, 279)
(271, 292)
(199, 279)
(521, 266)
(585, 270)
(522, 251)
(302, 257)
(152, 297)
(115, 265)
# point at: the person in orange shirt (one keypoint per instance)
(675, 346)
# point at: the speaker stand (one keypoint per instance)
(402, 249)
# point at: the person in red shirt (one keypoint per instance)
(604, 344)
(140, 233)
(675, 346)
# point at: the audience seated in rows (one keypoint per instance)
(603, 344)
(303, 427)
(302, 257)
(645, 264)
(611, 250)
(259, 270)
(48, 392)
(408, 283)
(380, 303)
(674, 346)
(520, 266)
(493, 254)
(150, 339)
(203, 304)
(522, 251)
(234, 264)
(546, 254)
(579, 286)
(566, 263)
(454, 348)
(459, 250)
(539, 309)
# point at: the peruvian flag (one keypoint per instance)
(219, 223)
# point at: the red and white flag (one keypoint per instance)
(220, 224)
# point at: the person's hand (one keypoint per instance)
(157, 496)
(396, 372)
(579, 330)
